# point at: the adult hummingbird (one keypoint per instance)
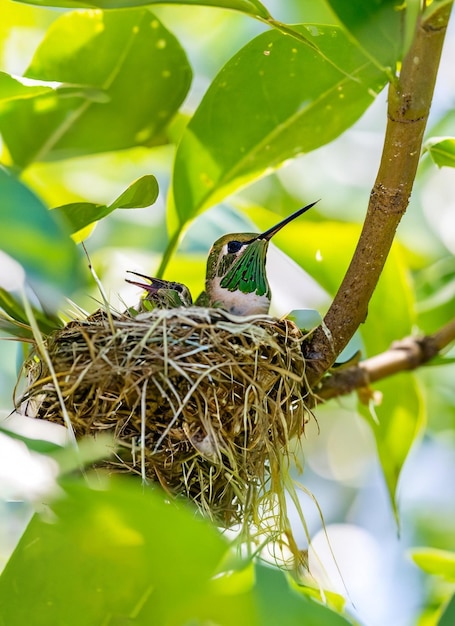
(162, 294)
(236, 278)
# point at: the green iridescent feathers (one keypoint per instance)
(247, 273)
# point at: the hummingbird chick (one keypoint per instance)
(163, 294)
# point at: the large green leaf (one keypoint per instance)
(124, 555)
(377, 25)
(401, 412)
(250, 7)
(116, 556)
(391, 313)
(142, 193)
(33, 236)
(12, 88)
(137, 73)
(400, 417)
(275, 99)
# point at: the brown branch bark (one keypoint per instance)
(408, 108)
(407, 354)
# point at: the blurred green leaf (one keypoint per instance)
(437, 562)
(280, 604)
(135, 74)
(124, 555)
(392, 309)
(400, 417)
(12, 88)
(117, 556)
(142, 193)
(305, 318)
(377, 26)
(36, 445)
(47, 322)
(401, 412)
(250, 7)
(244, 126)
(448, 616)
(14, 328)
(34, 237)
(440, 360)
(435, 292)
(441, 150)
(89, 450)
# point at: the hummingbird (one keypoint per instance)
(162, 294)
(236, 278)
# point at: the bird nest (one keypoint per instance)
(201, 401)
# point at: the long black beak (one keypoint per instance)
(268, 234)
(156, 283)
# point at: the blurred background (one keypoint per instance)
(341, 466)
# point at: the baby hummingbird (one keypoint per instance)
(163, 294)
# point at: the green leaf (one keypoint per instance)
(249, 7)
(15, 329)
(436, 562)
(118, 556)
(448, 616)
(133, 76)
(35, 445)
(401, 412)
(305, 318)
(441, 150)
(392, 309)
(47, 322)
(377, 26)
(244, 126)
(142, 193)
(11, 88)
(34, 237)
(280, 604)
(89, 450)
(400, 417)
(435, 292)
(126, 555)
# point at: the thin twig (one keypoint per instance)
(407, 354)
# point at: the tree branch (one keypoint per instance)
(408, 109)
(407, 354)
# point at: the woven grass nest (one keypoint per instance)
(199, 400)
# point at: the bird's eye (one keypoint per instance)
(234, 246)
